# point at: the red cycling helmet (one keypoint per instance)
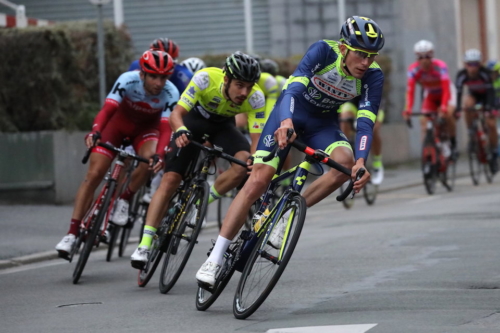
(165, 45)
(157, 62)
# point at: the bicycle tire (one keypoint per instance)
(206, 297)
(474, 163)
(182, 243)
(245, 305)
(370, 192)
(347, 202)
(93, 234)
(124, 237)
(139, 217)
(115, 231)
(448, 177)
(149, 269)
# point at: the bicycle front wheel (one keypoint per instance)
(154, 259)
(184, 237)
(266, 263)
(93, 233)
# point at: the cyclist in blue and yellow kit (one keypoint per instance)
(330, 74)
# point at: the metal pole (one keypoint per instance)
(100, 55)
(341, 12)
(458, 29)
(118, 11)
(248, 26)
(491, 28)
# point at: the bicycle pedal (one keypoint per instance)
(206, 286)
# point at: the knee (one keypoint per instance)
(254, 187)
(94, 176)
(170, 179)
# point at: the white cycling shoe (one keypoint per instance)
(120, 215)
(207, 273)
(139, 258)
(65, 246)
(377, 176)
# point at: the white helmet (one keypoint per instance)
(423, 46)
(193, 64)
(472, 55)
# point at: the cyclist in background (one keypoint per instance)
(439, 93)
(329, 74)
(181, 76)
(207, 106)
(193, 64)
(270, 66)
(137, 107)
(480, 91)
(494, 67)
(348, 113)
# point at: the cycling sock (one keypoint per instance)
(214, 195)
(147, 236)
(127, 194)
(74, 227)
(377, 161)
(219, 249)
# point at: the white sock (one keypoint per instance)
(220, 248)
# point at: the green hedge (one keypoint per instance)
(51, 74)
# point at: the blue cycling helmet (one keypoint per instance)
(362, 32)
(491, 64)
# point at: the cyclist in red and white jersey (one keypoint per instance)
(137, 107)
(439, 93)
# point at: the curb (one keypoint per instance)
(50, 255)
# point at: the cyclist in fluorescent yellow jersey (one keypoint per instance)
(208, 106)
(348, 112)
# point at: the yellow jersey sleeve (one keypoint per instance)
(257, 116)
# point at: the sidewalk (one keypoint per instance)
(30, 232)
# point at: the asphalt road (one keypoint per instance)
(410, 263)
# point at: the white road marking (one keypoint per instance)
(325, 329)
(32, 266)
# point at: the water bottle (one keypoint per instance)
(258, 218)
(173, 211)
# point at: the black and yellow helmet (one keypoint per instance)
(241, 66)
(362, 32)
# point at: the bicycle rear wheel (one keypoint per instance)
(184, 236)
(206, 297)
(114, 231)
(474, 162)
(370, 192)
(93, 233)
(266, 264)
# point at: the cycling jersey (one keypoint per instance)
(269, 86)
(313, 94)
(180, 78)
(129, 111)
(204, 96)
(480, 87)
(435, 82)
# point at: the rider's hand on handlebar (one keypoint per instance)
(358, 185)
(89, 139)
(281, 133)
(155, 163)
(181, 137)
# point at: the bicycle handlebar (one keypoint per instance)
(118, 150)
(321, 157)
(217, 151)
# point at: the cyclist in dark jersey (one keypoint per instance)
(480, 91)
(330, 74)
